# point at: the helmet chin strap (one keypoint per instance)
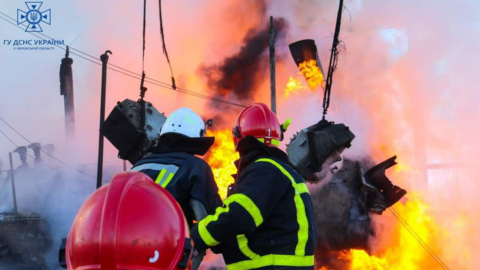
(236, 132)
(209, 123)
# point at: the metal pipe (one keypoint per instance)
(272, 68)
(104, 58)
(13, 183)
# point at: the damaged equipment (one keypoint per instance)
(311, 146)
(131, 131)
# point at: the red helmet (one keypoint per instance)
(131, 223)
(260, 122)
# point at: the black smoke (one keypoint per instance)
(237, 76)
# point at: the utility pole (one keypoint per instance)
(66, 90)
(12, 176)
(272, 68)
(104, 58)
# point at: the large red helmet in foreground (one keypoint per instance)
(131, 223)
(260, 122)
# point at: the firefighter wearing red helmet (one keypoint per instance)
(267, 222)
(131, 223)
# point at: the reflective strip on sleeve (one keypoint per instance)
(243, 246)
(273, 260)
(242, 200)
(299, 205)
(202, 226)
(248, 205)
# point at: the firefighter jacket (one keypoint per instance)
(267, 222)
(185, 176)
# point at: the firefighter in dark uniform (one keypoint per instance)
(173, 165)
(267, 222)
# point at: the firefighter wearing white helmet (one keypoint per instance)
(173, 164)
(186, 122)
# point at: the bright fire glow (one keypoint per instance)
(221, 158)
(312, 73)
(399, 249)
(293, 86)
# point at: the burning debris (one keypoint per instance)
(305, 55)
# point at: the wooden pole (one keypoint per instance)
(12, 176)
(104, 58)
(272, 68)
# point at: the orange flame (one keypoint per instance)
(403, 246)
(221, 158)
(293, 86)
(312, 73)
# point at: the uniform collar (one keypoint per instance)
(250, 149)
(170, 143)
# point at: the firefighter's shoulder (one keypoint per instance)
(266, 172)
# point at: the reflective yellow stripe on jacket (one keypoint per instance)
(299, 205)
(273, 260)
(239, 198)
(297, 260)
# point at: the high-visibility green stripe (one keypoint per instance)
(241, 199)
(302, 188)
(273, 260)
(243, 245)
(202, 226)
(160, 176)
(299, 205)
(248, 204)
(272, 141)
(169, 178)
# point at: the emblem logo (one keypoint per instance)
(34, 16)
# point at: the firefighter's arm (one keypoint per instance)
(204, 188)
(255, 198)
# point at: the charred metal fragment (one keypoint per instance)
(376, 177)
(124, 128)
(311, 147)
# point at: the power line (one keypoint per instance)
(8, 138)
(125, 72)
(16, 145)
(43, 151)
(419, 240)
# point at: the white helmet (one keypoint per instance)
(186, 122)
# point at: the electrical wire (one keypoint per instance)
(419, 240)
(124, 71)
(39, 148)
